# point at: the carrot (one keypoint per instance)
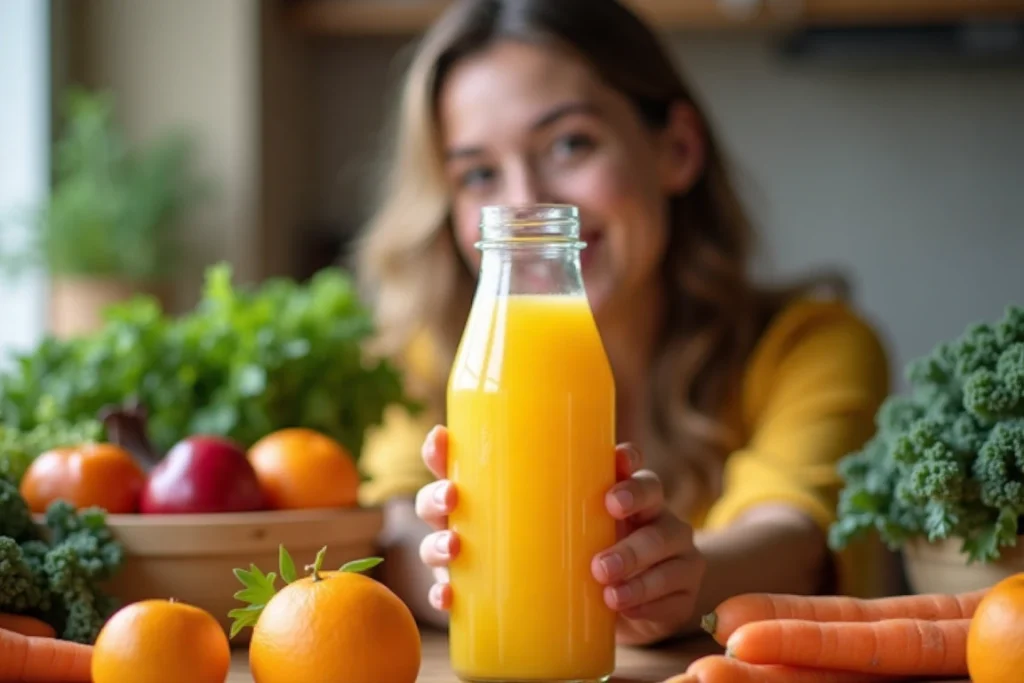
(26, 626)
(905, 647)
(29, 659)
(721, 669)
(744, 609)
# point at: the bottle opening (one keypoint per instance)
(554, 224)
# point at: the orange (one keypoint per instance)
(995, 641)
(161, 641)
(95, 474)
(302, 468)
(340, 626)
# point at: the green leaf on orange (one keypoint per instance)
(287, 565)
(361, 565)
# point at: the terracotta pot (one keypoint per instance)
(942, 568)
(77, 304)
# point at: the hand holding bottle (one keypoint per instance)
(650, 576)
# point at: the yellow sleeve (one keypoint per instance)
(391, 462)
(811, 392)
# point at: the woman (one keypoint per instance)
(740, 399)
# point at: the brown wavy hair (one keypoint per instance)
(410, 267)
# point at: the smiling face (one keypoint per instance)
(526, 124)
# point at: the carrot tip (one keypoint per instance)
(709, 622)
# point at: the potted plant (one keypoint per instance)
(107, 230)
(942, 479)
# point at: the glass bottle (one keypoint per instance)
(531, 420)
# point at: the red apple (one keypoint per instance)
(203, 474)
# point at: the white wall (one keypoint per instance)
(193, 64)
(24, 155)
(910, 178)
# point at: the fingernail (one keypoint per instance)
(443, 544)
(624, 499)
(441, 495)
(435, 596)
(623, 594)
(612, 565)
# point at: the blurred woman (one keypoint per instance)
(734, 401)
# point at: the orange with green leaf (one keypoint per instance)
(327, 626)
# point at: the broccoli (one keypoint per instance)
(58, 579)
(947, 460)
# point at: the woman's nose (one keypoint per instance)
(523, 187)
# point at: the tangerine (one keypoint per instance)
(995, 640)
(302, 468)
(335, 626)
(161, 641)
(94, 474)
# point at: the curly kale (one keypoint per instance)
(22, 589)
(86, 532)
(58, 578)
(946, 461)
(15, 517)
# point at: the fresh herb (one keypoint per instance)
(947, 460)
(260, 588)
(244, 363)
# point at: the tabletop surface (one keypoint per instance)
(634, 665)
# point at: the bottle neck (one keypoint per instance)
(535, 269)
(530, 250)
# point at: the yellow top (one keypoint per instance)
(811, 389)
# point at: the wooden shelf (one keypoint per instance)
(406, 17)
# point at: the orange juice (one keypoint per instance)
(531, 419)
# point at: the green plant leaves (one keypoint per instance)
(286, 565)
(245, 362)
(361, 565)
(259, 589)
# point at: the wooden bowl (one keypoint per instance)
(942, 568)
(191, 558)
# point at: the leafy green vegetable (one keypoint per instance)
(243, 363)
(947, 460)
(57, 578)
(259, 588)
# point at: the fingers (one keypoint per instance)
(649, 545)
(641, 497)
(676, 577)
(435, 501)
(438, 549)
(435, 451)
(628, 460)
(440, 596)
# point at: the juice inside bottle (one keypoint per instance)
(531, 406)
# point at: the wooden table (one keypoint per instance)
(635, 665)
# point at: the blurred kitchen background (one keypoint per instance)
(882, 136)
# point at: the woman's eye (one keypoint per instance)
(572, 145)
(476, 176)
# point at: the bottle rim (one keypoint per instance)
(550, 224)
